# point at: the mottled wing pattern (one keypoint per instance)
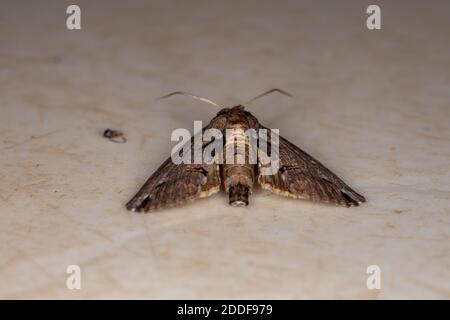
(301, 176)
(172, 184)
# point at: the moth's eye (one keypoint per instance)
(223, 111)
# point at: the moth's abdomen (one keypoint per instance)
(239, 169)
(238, 182)
(238, 195)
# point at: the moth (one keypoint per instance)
(299, 176)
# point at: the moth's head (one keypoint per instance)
(237, 116)
(234, 110)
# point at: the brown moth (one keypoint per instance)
(300, 176)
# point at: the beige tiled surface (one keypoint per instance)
(373, 106)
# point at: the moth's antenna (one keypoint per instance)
(269, 92)
(190, 95)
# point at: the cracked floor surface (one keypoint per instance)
(373, 106)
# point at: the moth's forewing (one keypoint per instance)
(172, 184)
(301, 176)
